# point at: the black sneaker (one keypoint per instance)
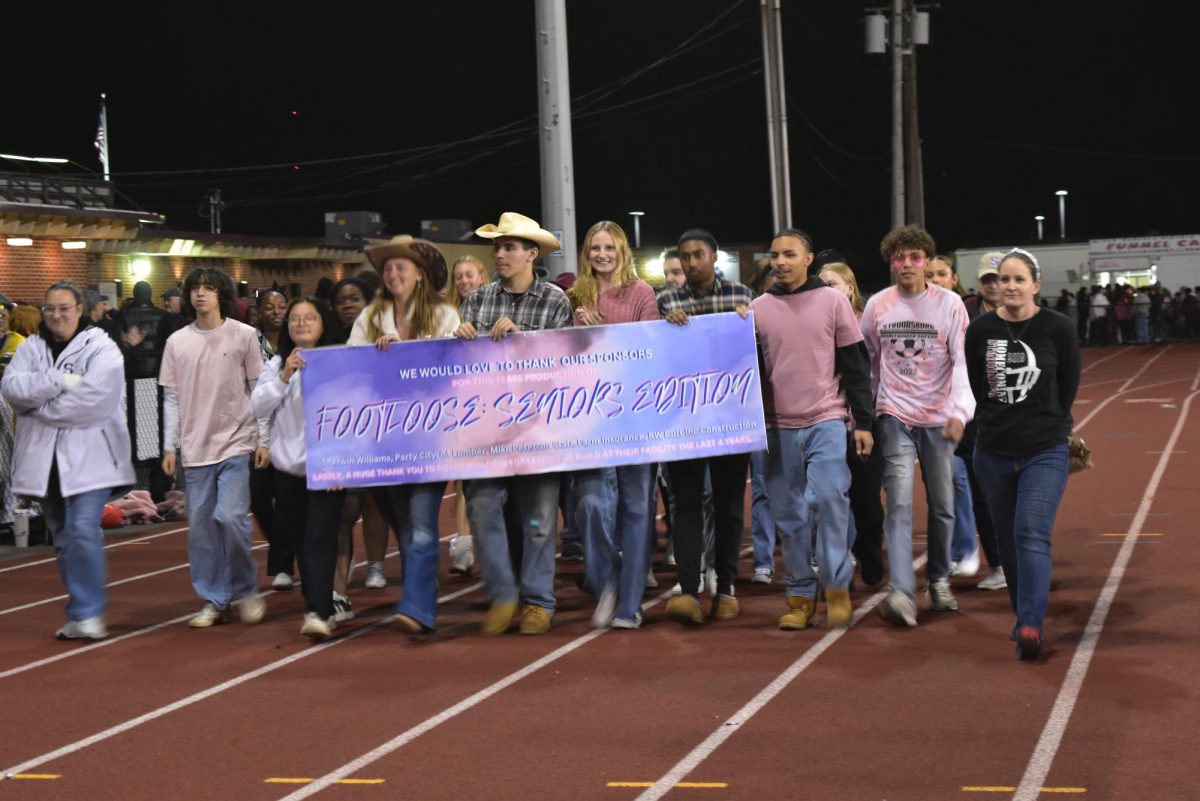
(1029, 644)
(572, 551)
(342, 610)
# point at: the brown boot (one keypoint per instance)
(726, 607)
(499, 617)
(800, 613)
(686, 610)
(838, 610)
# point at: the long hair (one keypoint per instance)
(425, 305)
(452, 296)
(843, 269)
(328, 334)
(211, 277)
(585, 289)
(958, 287)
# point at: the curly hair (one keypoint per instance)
(907, 237)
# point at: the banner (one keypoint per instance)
(542, 402)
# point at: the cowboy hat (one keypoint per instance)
(421, 251)
(522, 227)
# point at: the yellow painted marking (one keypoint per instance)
(1140, 534)
(37, 776)
(285, 780)
(684, 785)
(1077, 790)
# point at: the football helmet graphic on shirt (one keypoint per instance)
(1012, 371)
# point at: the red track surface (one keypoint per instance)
(943, 711)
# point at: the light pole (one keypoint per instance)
(637, 228)
(1039, 219)
(1062, 213)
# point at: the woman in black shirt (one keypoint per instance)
(1023, 362)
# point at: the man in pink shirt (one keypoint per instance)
(914, 334)
(208, 371)
(813, 364)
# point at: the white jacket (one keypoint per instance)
(281, 405)
(82, 428)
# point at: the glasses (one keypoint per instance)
(58, 309)
(916, 259)
(308, 318)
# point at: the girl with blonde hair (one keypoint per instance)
(467, 275)
(837, 274)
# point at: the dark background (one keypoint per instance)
(1017, 99)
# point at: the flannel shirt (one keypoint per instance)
(725, 296)
(542, 307)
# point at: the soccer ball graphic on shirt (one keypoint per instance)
(908, 348)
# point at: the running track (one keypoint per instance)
(737, 710)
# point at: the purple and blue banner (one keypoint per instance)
(543, 402)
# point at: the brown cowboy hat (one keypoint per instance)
(421, 251)
(518, 225)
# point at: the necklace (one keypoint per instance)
(1024, 325)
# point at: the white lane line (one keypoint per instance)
(109, 584)
(1102, 361)
(752, 707)
(479, 697)
(194, 698)
(1056, 725)
(132, 539)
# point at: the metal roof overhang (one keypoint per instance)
(65, 222)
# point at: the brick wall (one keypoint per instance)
(25, 272)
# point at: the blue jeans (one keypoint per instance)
(611, 514)
(417, 507)
(218, 501)
(1023, 495)
(963, 543)
(537, 503)
(762, 527)
(806, 474)
(902, 447)
(74, 523)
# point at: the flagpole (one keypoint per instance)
(102, 136)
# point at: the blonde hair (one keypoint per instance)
(843, 269)
(452, 296)
(585, 290)
(425, 305)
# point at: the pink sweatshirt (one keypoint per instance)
(918, 370)
(632, 303)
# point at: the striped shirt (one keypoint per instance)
(543, 306)
(725, 297)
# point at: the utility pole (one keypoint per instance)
(215, 206)
(777, 146)
(914, 182)
(898, 203)
(554, 110)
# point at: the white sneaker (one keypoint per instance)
(940, 597)
(677, 589)
(91, 628)
(316, 627)
(969, 566)
(282, 581)
(605, 608)
(252, 609)
(342, 609)
(710, 581)
(208, 616)
(899, 610)
(462, 554)
(763, 575)
(634, 622)
(651, 579)
(375, 578)
(995, 581)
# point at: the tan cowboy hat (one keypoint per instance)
(422, 251)
(518, 225)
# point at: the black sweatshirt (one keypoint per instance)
(1024, 377)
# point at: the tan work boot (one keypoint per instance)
(499, 617)
(534, 619)
(838, 610)
(726, 607)
(800, 613)
(685, 609)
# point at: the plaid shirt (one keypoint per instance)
(543, 306)
(725, 296)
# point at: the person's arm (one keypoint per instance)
(268, 392)
(1069, 361)
(358, 333)
(26, 386)
(962, 402)
(560, 314)
(976, 369)
(854, 366)
(96, 395)
(871, 342)
(647, 306)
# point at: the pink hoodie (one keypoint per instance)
(918, 371)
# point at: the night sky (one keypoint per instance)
(1017, 99)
